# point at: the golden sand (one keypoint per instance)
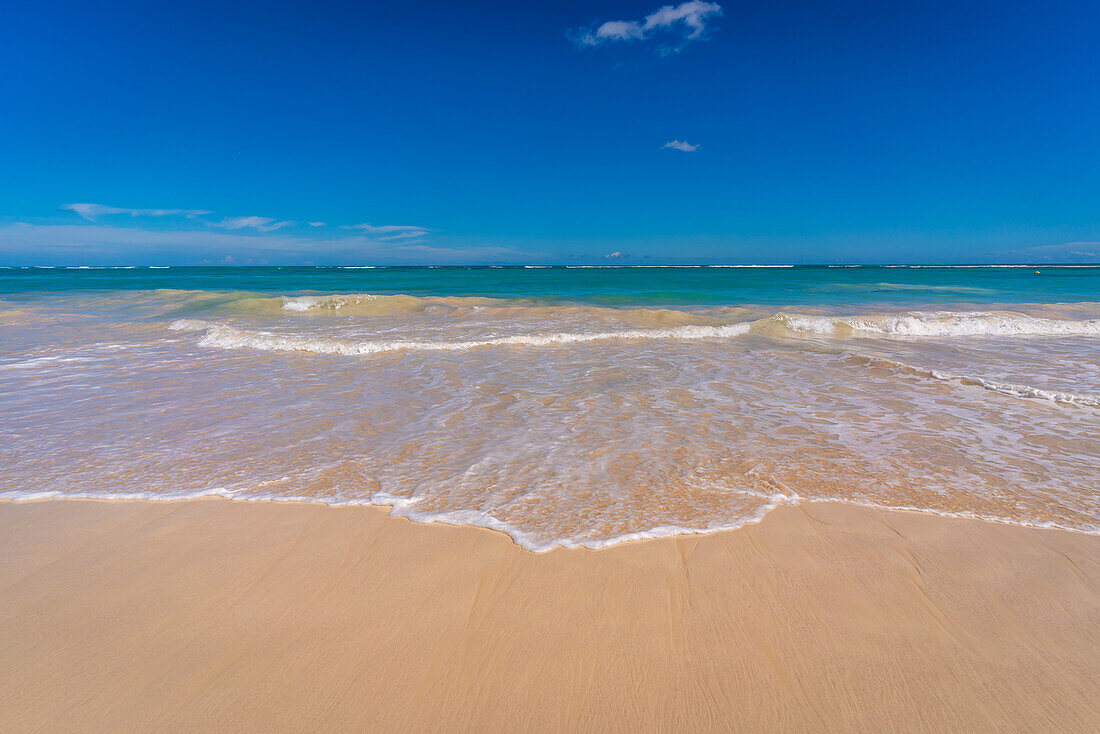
(219, 616)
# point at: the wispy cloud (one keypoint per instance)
(91, 211)
(248, 234)
(1083, 251)
(681, 145)
(22, 243)
(384, 232)
(389, 232)
(411, 234)
(385, 228)
(682, 23)
(260, 224)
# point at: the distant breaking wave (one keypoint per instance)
(929, 325)
(229, 337)
(932, 324)
(335, 302)
(942, 323)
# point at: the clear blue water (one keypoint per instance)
(563, 406)
(905, 286)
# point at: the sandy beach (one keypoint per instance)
(550, 367)
(215, 615)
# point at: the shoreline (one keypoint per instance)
(285, 616)
(494, 525)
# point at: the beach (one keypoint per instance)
(213, 615)
(550, 499)
(550, 367)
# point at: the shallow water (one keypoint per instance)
(563, 406)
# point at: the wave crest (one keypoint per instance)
(1004, 388)
(941, 324)
(228, 337)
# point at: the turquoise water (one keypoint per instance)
(562, 406)
(686, 286)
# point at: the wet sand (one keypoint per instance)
(215, 616)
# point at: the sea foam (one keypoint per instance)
(228, 337)
(942, 324)
(1004, 388)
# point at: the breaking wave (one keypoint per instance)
(1004, 388)
(229, 337)
(488, 317)
(942, 324)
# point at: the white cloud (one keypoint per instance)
(614, 255)
(260, 224)
(1083, 251)
(379, 233)
(96, 236)
(681, 145)
(411, 234)
(616, 30)
(248, 239)
(389, 232)
(85, 244)
(91, 211)
(687, 21)
(385, 228)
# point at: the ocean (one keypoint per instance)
(564, 406)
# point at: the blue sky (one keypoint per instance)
(362, 132)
